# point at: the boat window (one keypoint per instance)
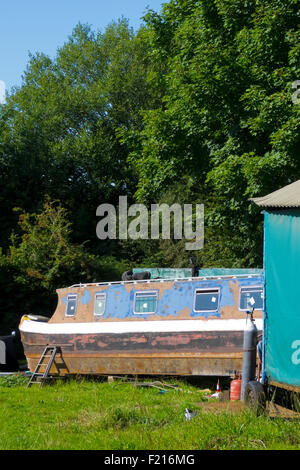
(145, 302)
(251, 297)
(71, 305)
(207, 300)
(99, 304)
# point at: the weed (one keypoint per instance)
(13, 380)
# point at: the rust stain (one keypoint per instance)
(291, 388)
(171, 340)
(82, 340)
(137, 365)
(232, 311)
(140, 339)
(199, 355)
(165, 286)
(185, 312)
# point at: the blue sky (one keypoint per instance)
(44, 25)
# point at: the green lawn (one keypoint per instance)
(120, 416)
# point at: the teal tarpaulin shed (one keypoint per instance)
(282, 284)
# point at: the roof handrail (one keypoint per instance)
(143, 281)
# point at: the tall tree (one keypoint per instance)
(58, 130)
(227, 120)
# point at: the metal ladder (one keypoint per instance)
(46, 360)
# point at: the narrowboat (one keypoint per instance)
(157, 326)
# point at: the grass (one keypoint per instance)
(93, 415)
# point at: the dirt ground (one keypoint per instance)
(225, 404)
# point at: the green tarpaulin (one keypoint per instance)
(177, 273)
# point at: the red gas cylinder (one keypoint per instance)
(235, 389)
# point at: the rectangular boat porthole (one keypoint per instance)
(71, 305)
(207, 300)
(251, 297)
(99, 304)
(145, 302)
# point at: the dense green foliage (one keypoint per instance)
(227, 123)
(58, 142)
(194, 107)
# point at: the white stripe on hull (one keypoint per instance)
(120, 327)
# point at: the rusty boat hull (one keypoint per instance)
(181, 327)
(167, 353)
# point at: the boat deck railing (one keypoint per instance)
(181, 279)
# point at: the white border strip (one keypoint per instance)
(120, 327)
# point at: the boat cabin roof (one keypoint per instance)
(179, 279)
